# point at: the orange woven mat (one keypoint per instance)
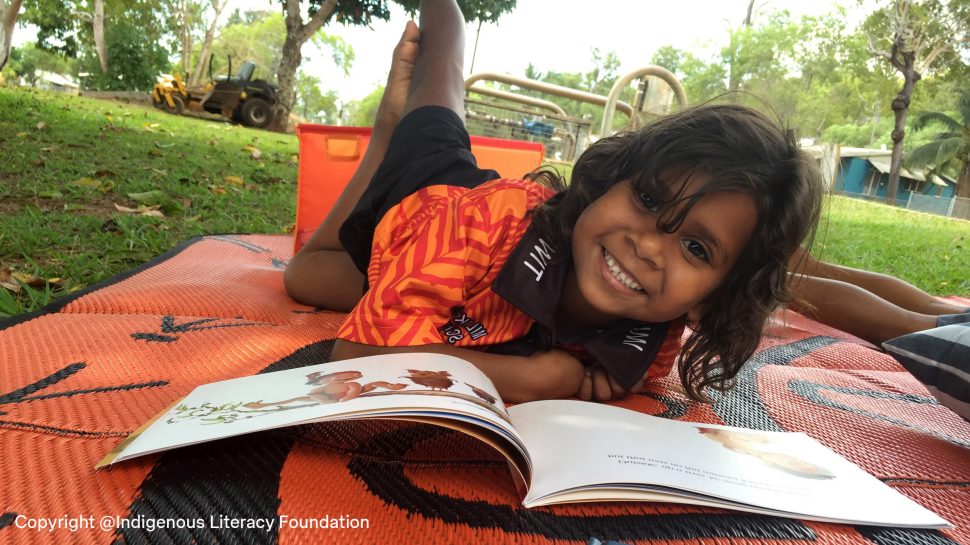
(82, 374)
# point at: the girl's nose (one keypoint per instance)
(648, 244)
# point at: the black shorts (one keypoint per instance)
(430, 146)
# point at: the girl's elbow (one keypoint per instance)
(341, 350)
(291, 279)
(345, 350)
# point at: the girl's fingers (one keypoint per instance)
(601, 386)
(617, 391)
(586, 388)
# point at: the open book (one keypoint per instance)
(560, 451)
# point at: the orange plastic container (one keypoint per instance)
(330, 155)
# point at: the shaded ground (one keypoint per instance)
(89, 188)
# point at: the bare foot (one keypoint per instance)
(399, 76)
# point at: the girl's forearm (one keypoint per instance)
(517, 378)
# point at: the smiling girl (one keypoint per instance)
(556, 291)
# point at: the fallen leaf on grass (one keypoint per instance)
(154, 152)
(89, 183)
(164, 146)
(51, 194)
(150, 127)
(41, 125)
(13, 280)
(253, 151)
(235, 180)
(159, 199)
(50, 149)
(152, 211)
(149, 198)
(37, 162)
(5, 280)
(23, 134)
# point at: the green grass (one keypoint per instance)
(931, 252)
(67, 161)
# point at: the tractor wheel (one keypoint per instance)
(179, 106)
(256, 112)
(156, 102)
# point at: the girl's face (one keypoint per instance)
(626, 266)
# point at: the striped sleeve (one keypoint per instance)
(427, 251)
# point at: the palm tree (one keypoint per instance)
(950, 149)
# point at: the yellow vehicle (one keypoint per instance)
(240, 98)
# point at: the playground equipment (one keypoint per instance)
(565, 136)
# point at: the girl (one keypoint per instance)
(584, 291)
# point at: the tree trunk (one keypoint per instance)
(963, 182)
(8, 17)
(903, 61)
(186, 39)
(748, 16)
(297, 33)
(98, 27)
(210, 34)
(285, 82)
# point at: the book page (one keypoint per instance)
(429, 385)
(578, 445)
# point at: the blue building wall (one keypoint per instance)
(855, 173)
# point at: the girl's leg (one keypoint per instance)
(855, 310)
(322, 273)
(438, 78)
(890, 288)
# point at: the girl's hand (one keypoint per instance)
(599, 385)
(553, 374)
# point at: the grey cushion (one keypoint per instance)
(940, 359)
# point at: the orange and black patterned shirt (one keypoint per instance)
(461, 266)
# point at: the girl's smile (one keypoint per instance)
(626, 266)
(622, 280)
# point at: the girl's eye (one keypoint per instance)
(648, 202)
(697, 250)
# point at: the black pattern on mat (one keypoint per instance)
(238, 478)
(902, 536)
(812, 392)
(29, 393)
(743, 406)
(389, 481)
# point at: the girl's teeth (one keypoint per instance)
(619, 274)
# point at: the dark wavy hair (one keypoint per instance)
(736, 149)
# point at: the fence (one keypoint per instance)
(952, 207)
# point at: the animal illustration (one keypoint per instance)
(331, 388)
(482, 394)
(436, 380)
